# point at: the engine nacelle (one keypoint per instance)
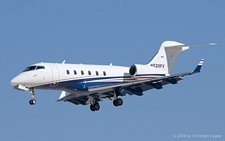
(139, 69)
(133, 70)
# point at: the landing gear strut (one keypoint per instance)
(95, 106)
(32, 101)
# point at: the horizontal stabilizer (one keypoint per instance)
(209, 44)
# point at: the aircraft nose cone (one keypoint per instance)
(19, 80)
(14, 81)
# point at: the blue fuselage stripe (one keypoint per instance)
(85, 83)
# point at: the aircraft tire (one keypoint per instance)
(96, 106)
(115, 103)
(119, 101)
(92, 108)
(32, 101)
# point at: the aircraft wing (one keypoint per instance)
(135, 87)
(163, 80)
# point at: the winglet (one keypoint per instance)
(198, 68)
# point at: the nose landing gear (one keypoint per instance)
(32, 101)
(31, 92)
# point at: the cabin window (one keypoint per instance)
(67, 71)
(89, 72)
(104, 73)
(82, 72)
(96, 73)
(75, 72)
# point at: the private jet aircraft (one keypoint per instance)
(89, 84)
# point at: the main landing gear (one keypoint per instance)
(95, 106)
(32, 101)
(117, 102)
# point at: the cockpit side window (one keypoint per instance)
(30, 68)
(40, 67)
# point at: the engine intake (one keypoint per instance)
(133, 70)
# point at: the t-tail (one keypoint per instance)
(167, 56)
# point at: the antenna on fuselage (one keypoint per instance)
(64, 62)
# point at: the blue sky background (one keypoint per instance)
(122, 33)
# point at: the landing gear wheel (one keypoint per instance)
(92, 108)
(115, 103)
(119, 101)
(95, 107)
(32, 101)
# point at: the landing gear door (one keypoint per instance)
(55, 76)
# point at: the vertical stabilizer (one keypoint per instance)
(166, 57)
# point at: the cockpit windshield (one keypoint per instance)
(30, 68)
(40, 67)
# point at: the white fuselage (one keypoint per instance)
(74, 77)
(89, 84)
